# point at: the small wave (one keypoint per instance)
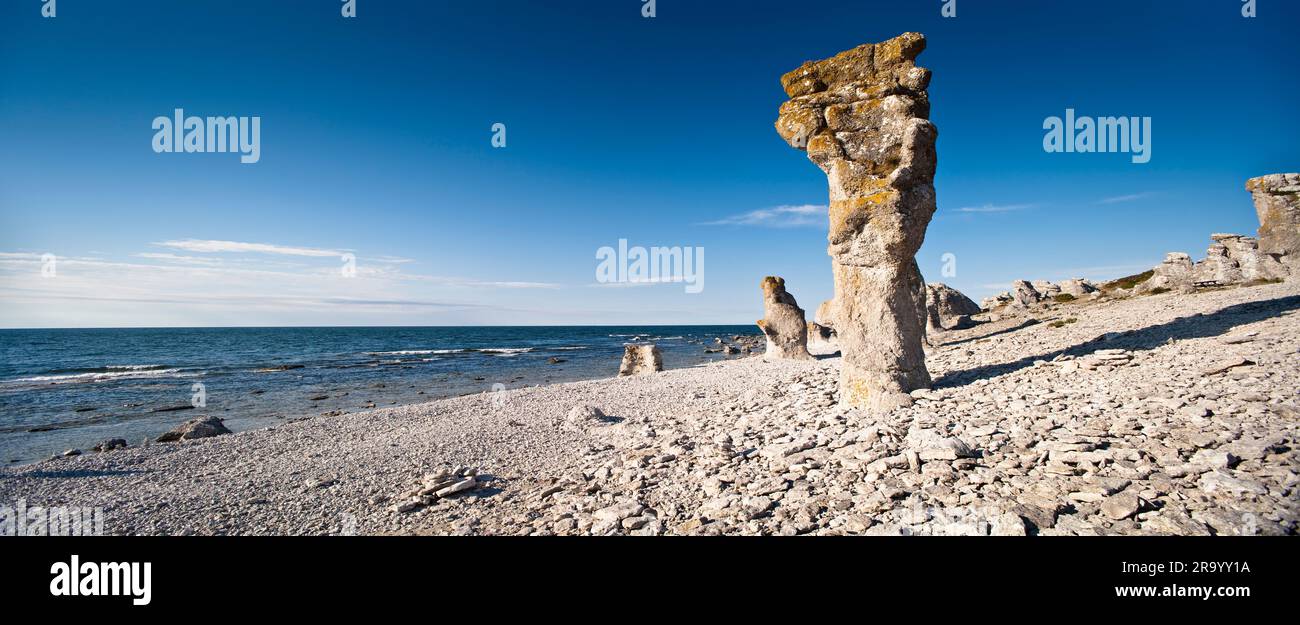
(418, 352)
(102, 376)
(506, 351)
(570, 347)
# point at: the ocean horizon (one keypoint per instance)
(69, 388)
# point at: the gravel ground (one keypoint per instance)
(1168, 414)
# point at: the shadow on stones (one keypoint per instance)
(1182, 328)
(1025, 324)
(74, 474)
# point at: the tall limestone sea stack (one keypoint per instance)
(783, 323)
(862, 116)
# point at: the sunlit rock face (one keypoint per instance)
(862, 117)
(1277, 202)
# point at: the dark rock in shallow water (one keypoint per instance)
(110, 444)
(72, 452)
(204, 427)
(173, 408)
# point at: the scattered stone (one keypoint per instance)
(1121, 506)
(1226, 365)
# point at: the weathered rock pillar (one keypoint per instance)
(1277, 202)
(783, 323)
(862, 116)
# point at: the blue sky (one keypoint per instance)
(376, 141)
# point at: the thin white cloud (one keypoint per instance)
(211, 247)
(993, 208)
(778, 217)
(187, 260)
(1126, 198)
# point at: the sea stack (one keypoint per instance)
(862, 117)
(783, 323)
(640, 359)
(1277, 203)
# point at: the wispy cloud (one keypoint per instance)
(219, 290)
(1127, 198)
(993, 208)
(175, 258)
(778, 217)
(211, 247)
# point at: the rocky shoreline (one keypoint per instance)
(1171, 413)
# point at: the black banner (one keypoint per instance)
(1221, 575)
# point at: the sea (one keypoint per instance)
(64, 389)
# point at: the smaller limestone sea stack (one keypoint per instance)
(640, 359)
(783, 323)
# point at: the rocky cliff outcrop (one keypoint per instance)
(1230, 259)
(641, 358)
(947, 308)
(1025, 294)
(783, 323)
(1234, 258)
(862, 117)
(1077, 287)
(1173, 273)
(1277, 203)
